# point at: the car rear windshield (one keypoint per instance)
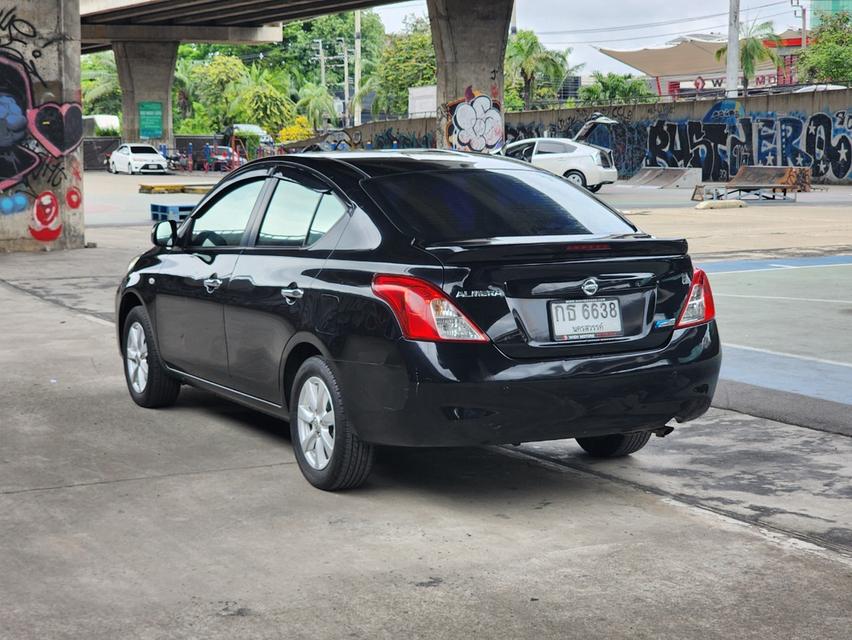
(468, 204)
(139, 148)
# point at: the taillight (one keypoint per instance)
(424, 312)
(699, 305)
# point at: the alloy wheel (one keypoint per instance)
(316, 422)
(136, 357)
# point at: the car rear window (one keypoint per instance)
(468, 204)
(138, 148)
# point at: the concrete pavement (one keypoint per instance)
(191, 522)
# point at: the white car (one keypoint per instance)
(586, 165)
(137, 158)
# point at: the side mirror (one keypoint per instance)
(164, 234)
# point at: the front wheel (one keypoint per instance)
(329, 454)
(616, 445)
(148, 381)
(576, 178)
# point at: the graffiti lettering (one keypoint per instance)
(727, 139)
(18, 41)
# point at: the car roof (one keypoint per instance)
(374, 164)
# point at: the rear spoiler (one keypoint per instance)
(530, 249)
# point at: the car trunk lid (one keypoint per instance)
(521, 292)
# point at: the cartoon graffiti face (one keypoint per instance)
(478, 124)
(46, 225)
(13, 122)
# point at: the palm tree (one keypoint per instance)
(527, 60)
(317, 104)
(186, 85)
(753, 49)
(615, 88)
(99, 77)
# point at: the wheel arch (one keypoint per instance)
(129, 301)
(300, 347)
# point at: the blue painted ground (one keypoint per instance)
(725, 266)
(790, 373)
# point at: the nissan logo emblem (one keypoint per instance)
(589, 287)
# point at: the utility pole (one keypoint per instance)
(733, 55)
(345, 54)
(357, 106)
(513, 26)
(797, 6)
(321, 53)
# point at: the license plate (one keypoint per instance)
(585, 319)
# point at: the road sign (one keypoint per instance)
(150, 120)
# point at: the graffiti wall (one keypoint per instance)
(474, 122)
(801, 130)
(41, 181)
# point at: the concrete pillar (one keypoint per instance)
(41, 126)
(146, 71)
(470, 43)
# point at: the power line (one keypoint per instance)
(649, 37)
(648, 25)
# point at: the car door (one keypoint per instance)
(555, 156)
(272, 295)
(521, 151)
(193, 281)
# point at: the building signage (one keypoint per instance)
(150, 120)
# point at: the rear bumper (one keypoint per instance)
(607, 176)
(458, 395)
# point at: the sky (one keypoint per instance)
(559, 23)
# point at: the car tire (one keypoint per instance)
(616, 445)
(142, 358)
(575, 177)
(594, 188)
(316, 394)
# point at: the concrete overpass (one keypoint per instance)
(41, 190)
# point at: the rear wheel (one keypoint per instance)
(616, 445)
(329, 454)
(575, 177)
(149, 383)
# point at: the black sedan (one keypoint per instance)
(422, 298)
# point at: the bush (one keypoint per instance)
(107, 132)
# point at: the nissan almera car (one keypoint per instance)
(420, 298)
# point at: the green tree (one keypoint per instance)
(829, 57)
(528, 62)
(407, 61)
(185, 87)
(615, 88)
(753, 49)
(99, 83)
(316, 104)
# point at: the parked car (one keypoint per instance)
(419, 298)
(586, 165)
(222, 158)
(137, 158)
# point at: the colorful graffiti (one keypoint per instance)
(474, 122)
(36, 138)
(728, 138)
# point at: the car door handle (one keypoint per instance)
(291, 295)
(211, 284)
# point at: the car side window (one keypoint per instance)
(521, 151)
(289, 214)
(553, 146)
(223, 223)
(329, 211)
